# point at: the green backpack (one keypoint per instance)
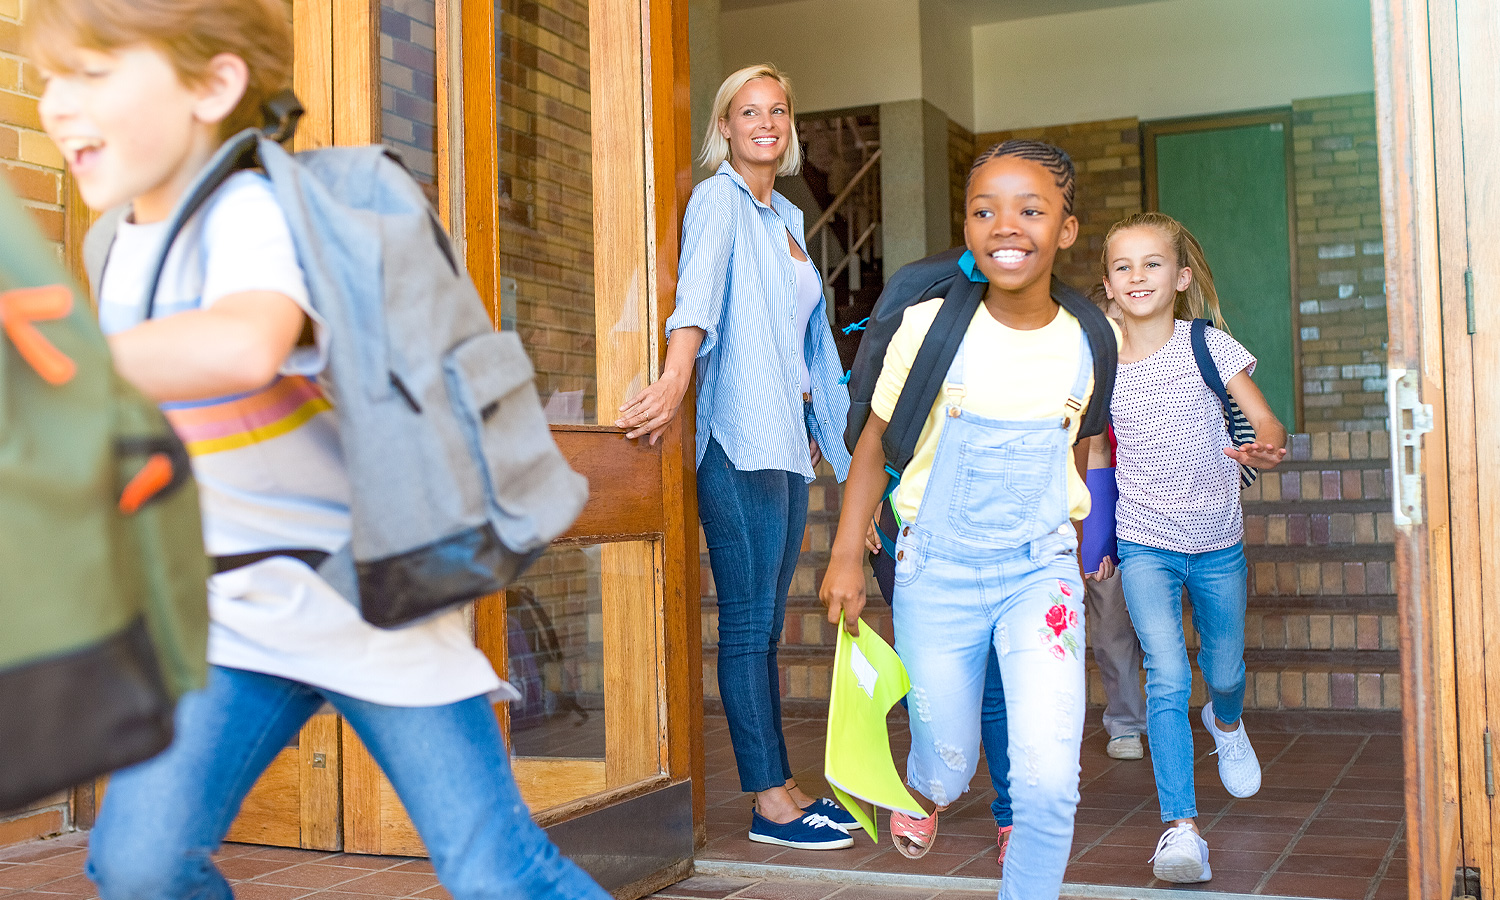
(103, 606)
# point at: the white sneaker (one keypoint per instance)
(1125, 746)
(1239, 768)
(1181, 856)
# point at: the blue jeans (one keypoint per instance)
(955, 612)
(163, 819)
(1153, 581)
(753, 523)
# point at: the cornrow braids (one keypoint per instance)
(1053, 159)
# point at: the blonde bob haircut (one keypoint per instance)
(716, 148)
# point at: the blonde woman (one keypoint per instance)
(751, 321)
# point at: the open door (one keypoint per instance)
(552, 138)
(1437, 65)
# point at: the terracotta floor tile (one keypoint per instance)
(244, 868)
(1342, 864)
(388, 884)
(1333, 887)
(788, 891)
(313, 876)
(707, 887)
(254, 891)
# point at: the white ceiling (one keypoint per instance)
(983, 11)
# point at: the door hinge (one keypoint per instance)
(1489, 765)
(1410, 419)
(1469, 297)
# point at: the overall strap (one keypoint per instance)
(1078, 396)
(925, 378)
(953, 387)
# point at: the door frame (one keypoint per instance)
(1150, 131)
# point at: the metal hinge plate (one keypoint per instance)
(1410, 419)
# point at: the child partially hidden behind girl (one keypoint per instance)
(1178, 520)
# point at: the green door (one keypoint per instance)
(1229, 187)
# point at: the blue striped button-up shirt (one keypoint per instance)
(736, 281)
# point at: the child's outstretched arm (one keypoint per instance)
(1269, 447)
(238, 344)
(843, 589)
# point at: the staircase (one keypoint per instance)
(841, 171)
(1320, 631)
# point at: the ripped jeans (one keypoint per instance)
(954, 604)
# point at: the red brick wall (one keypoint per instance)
(1107, 156)
(1340, 263)
(961, 152)
(31, 164)
(546, 189)
(408, 76)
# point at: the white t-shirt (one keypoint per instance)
(271, 474)
(809, 292)
(1178, 491)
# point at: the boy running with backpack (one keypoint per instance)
(987, 555)
(139, 96)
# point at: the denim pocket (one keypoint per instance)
(999, 490)
(909, 559)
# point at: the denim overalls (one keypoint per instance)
(992, 557)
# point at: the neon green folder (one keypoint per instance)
(868, 679)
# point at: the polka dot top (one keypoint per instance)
(1178, 491)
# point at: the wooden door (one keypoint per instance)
(570, 232)
(1436, 65)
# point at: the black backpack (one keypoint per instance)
(1240, 430)
(940, 276)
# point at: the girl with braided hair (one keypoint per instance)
(986, 559)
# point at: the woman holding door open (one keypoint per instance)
(751, 321)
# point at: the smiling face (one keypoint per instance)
(129, 128)
(758, 125)
(1016, 222)
(1143, 275)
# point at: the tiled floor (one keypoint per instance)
(1328, 821)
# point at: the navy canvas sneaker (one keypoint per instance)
(837, 814)
(811, 832)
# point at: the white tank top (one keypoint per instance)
(809, 292)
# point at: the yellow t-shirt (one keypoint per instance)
(1009, 374)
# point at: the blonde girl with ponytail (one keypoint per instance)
(1178, 520)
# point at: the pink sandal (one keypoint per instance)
(913, 837)
(1003, 839)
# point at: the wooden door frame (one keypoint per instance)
(1281, 115)
(1416, 142)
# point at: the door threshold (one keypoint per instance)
(1070, 891)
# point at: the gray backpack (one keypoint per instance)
(457, 485)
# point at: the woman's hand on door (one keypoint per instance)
(653, 409)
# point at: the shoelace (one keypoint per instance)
(818, 820)
(1168, 838)
(1235, 746)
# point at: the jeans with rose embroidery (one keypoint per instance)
(1026, 604)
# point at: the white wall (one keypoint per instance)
(1166, 59)
(839, 53)
(948, 60)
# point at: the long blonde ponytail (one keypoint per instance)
(1200, 300)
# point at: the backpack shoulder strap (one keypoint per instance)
(928, 370)
(1206, 366)
(1106, 352)
(237, 153)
